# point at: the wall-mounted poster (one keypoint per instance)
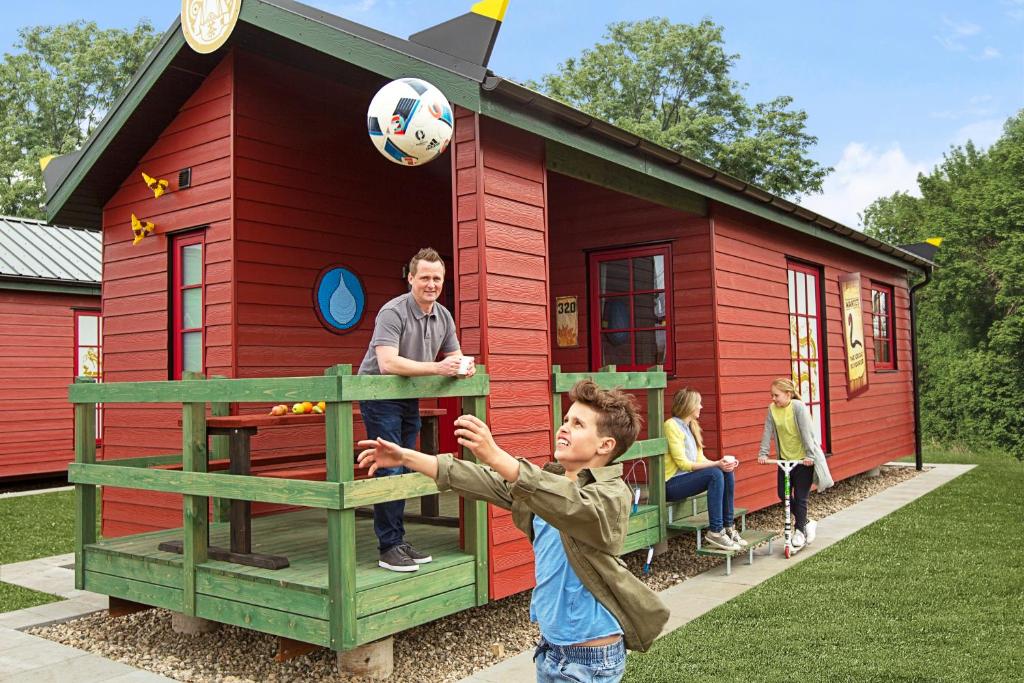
(566, 322)
(207, 24)
(853, 333)
(338, 299)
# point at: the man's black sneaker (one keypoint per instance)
(397, 560)
(416, 555)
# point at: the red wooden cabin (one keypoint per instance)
(49, 333)
(272, 178)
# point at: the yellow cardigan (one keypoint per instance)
(676, 461)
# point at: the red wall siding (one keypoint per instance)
(751, 287)
(135, 285)
(311, 191)
(37, 364)
(501, 224)
(586, 217)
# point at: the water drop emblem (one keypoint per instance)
(339, 299)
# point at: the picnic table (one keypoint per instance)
(240, 429)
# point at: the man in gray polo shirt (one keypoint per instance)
(409, 333)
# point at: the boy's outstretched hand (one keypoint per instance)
(476, 436)
(379, 453)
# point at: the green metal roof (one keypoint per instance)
(81, 183)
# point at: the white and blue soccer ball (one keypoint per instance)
(410, 121)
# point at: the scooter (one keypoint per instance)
(787, 466)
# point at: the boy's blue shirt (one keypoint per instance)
(566, 611)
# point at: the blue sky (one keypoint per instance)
(888, 85)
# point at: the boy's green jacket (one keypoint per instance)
(592, 516)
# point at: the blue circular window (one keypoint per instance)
(339, 299)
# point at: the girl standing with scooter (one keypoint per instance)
(789, 425)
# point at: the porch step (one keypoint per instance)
(699, 522)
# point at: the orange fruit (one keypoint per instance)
(322, 405)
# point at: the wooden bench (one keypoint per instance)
(691, 516)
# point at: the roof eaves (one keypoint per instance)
(532, 99)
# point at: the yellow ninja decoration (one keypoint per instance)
(140, 229)
(158, 186)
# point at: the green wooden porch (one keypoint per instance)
(331, 594)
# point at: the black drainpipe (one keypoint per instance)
(918, 457)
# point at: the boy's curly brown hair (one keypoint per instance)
(617, 416)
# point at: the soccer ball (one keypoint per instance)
(410, 121)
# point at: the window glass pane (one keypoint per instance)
(649, 310)
(650, 347)
(802, 335)
(88, 361)
(814, 394)
(615, 349)
(192, 264)
(883, 300)
(615, 276)
(192, 351)
(794, 341)
(192, 308)
(875, 329)
(88, 330)
(874, 301)
(649, 272)
(801, 291)
(615, 313)
(792, 291)
(812, 295)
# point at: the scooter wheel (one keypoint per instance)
(787, 552)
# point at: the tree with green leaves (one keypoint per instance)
(971, 317)
(54, 89)
(671, 84)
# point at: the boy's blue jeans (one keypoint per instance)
(719, 485)
(397, 421)
(560, 663)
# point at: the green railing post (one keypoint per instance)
(195, 523)
(655, 429)
(556, 405)
(219, 451)
(85, 494)
(475, 516)
(341, 524)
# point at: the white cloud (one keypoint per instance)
(961, 28)
(347, 9)
(861, 176)
(981, 133)
(989, 53)
(954, 33)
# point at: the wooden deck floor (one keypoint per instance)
(293, 601)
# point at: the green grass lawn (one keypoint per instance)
(34, 526)
(933, 592)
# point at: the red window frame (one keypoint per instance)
(801, 357)
(883, 327)
(178, 244)
(78, 315)
(594, 264)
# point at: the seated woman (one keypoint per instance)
(688, 472)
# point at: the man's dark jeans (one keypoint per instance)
(397, 421)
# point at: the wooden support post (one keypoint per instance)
(85, 494)
(195, 523)
(341, 524)
(219, 451)
(475, 516)
(374, 660)
(430, 506)
(656, 479)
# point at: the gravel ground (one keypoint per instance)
(445, 650)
